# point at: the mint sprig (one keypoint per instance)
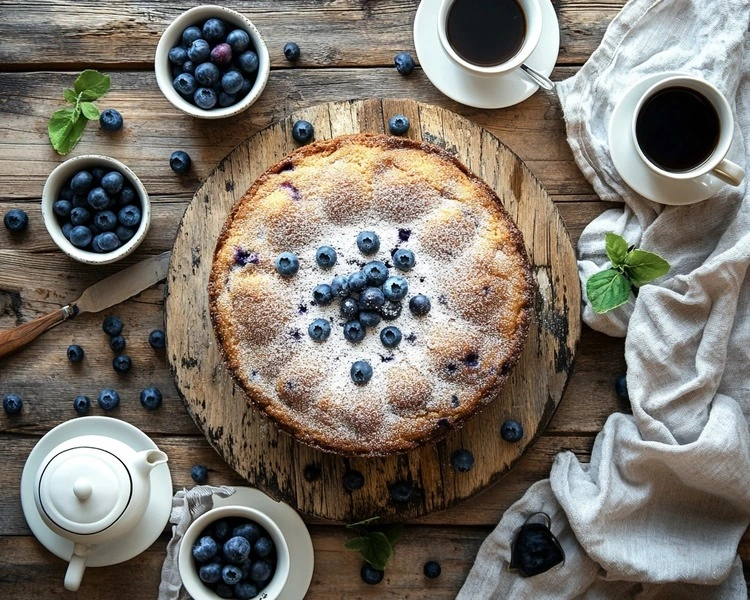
(631, 268)
(66, 125)
(374, 543)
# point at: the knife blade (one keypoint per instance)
(100, 296)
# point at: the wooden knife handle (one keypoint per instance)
(13, 339)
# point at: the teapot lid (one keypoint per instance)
(84, 490)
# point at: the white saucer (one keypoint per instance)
(482, 92)
(630, 166)
(142, 535)
(301, 556)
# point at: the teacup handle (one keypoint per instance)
(76, 567)
(729, 172)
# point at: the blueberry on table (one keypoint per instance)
(191, 34)
(199, 51)
(262, 547)
(326, 257)
(180, 162)
(177, 55)
(112, 182)
(291, 51)
(108, 399)
(395, 288)
(368, 242)
(110, 119)
(210, 573)
(199, 474)
(83, 180)
(371, 298)
(370, 575)
(398, 125)
(248, 62)
(462, 461)
(323, 294)
(231, 574)
(349, 307)
(213, 30)
(390, 337)
(80, 236)
(157, 340)
(237, 549)
(238, 39)
(401, 491)
(419, 305)
(205, 98)
(98, 199)
(376, 272)
(303, 131)
(353, 480)
(404, 63)
(354, 332)
(75, 353)
(81, 404)
(249, 530)
(287, 264)
(205, 548)
(432, 569)
(112, 326)
(231, 82)
(260, 571)
(129, 216)
(245, 590)
(117, 343)
(361, 372)
(150, 398)
(12, 404)
(62, 208)
(16, 220)
(80, 216)
(511, 431)
(621, 387)
(106, 242)
(357, 281)
(319, 330)
(122, 363)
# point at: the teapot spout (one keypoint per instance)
(148, 459)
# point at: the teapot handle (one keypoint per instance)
(76, 567)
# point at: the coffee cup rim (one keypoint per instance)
(531, 40)
(726, 124)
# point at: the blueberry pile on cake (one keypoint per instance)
(370, 294)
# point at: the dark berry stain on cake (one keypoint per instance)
(302, 308)
(386, 357)
(471, 360)
(312, 472)
(229, 185)
(286, 166)
(404, 234)
(451, 368)
(454, 401)
(411, 338)
(244, 257)
(443, 299)
(296, 196)
(295, 334)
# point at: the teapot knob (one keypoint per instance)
(82, 488)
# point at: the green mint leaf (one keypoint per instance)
(616, 247)
(92, 84)
(89, 111)
(356, 544)
(378, 550)
(364, 523)
(59, 126)
(394, 533)
(642, 266)
(65, 139)
(607, 290)
(70, 96)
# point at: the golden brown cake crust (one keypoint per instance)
(470, 261)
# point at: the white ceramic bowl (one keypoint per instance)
(189, 570)
(172, 36)
(60, 176)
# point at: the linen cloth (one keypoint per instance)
(187, 505)
(660, 509)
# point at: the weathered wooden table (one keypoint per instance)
(347, 52)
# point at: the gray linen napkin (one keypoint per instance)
(187, 505)
(660, 509)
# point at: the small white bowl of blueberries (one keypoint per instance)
(95, 209)
(211, 62)
(233, 552)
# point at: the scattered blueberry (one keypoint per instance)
(75, 353)
(98, 199)
(16, 220)
(432, 569)
(199, 474)
(248, 62)
(357, 281)
(361, 372)
(80, 236)
(191, 34)
(287, 264)
(390, 336)
(210, 573)
(180, 162)
(395, 288)
(621, 388)
(205, 548)
(371, 298)
(185, 84)
(213, 30)
(353, 480)
(404, 63)
(62, 208)
(340, 286)
(205, 98)
(108, 399)
(303, 131)
(325, 257)
(122, 363)
(420, 305)
(80, 216)
(12, 404)
(462, 461)
(323, 294)
(369, 318)
(349, 307)
(231, 574)
(238, 39)
(81, 182)
(262, 547)
(199, 51)
(403, 259)
(151, 398)
(370, 575)
(177, 55)
(291, 51)
(376, 272)
(261, 571)
(511, 431)
(368, 242)
(157, 340)
(398, 125)
(353, 331)
(110, 120)
(221, 55)
(390, 310)
(82, 404)
(401, 491)
(319, 330)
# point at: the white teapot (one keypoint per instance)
(93, 489)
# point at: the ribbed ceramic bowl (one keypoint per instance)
(172, 37)
(60, 176)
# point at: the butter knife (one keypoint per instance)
(100, 296)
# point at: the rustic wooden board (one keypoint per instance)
(273, 460)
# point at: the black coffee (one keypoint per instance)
(677, 129)
(486, 32)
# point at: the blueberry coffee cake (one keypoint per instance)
(370, 294)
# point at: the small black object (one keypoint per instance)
(432, 569)
(401, 491)
(16, 220)
(535, 549)
(75, 353)
(370, 575)
(112, 326)
(303, 131)
(511, 431)
(157, 340)
(353, 480)
(117, 343)
(179, 162)
(122, 363)
(199, 474)
(12, 404)
(312, 472)
(291, 51)
(621, 387)
(404, 63)
(462, 461)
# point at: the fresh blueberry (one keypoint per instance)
(287, 264)
(325, 257)
(401, 491)
(231, 82)
(205, 548)
(98, 199)
(82, 404)
(177, 55)
(231, 574)
(369, 318)
(511, 431)
(188, 67)
(261, 571)
(75, 353)
(80, 236)
(127, 195)
(207, 74)
(12, 404)
(199, 51)
(390, 336)
(199, 474)
(66, 193)
(108, 399)
(122, 363)
(246, 87)
(245, 590)
(95, 245)
(353, 331)
(117, 343)
(404, 63)
(361, 372)
(262, 547)
(248, 62)
(226, 99)
(106, 241)
(368, 242)
(112, 182)
(105, 220)
(370, 575)
(403, 259)
(98, 174)
(80, 201)
(213, 30)
(205, 98)
(223, 590)
(291, 51)
(398, 125)
(180, 162)
(191, 34)
(123, 233)
(419, 305)
(210, 573)
(82, 181)
(238, 39)
(432, 569)
(222, 530)
(395, 288)
(319, 330)
(185, 84)
(16, 220)
(357, 281)
(371, 298)
(349, 307)
(353, 480)
(250, 531)
(151, 398)
(237, 549)
(462, 461)
(376, 273)
(80, 216)
(221, 55)
(323, 294)
(112, 326)
(340, 286)
(67, 227)
(129, 215)
(157, 340)
(110, 119)
(303, 131)
(621, 388)
(62, 208)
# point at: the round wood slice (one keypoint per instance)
(311, 480)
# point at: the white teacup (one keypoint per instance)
(715, 163)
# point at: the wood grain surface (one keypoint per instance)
(347, 52)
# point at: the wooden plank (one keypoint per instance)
(338, 33)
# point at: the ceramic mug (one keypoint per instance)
(715, 163)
